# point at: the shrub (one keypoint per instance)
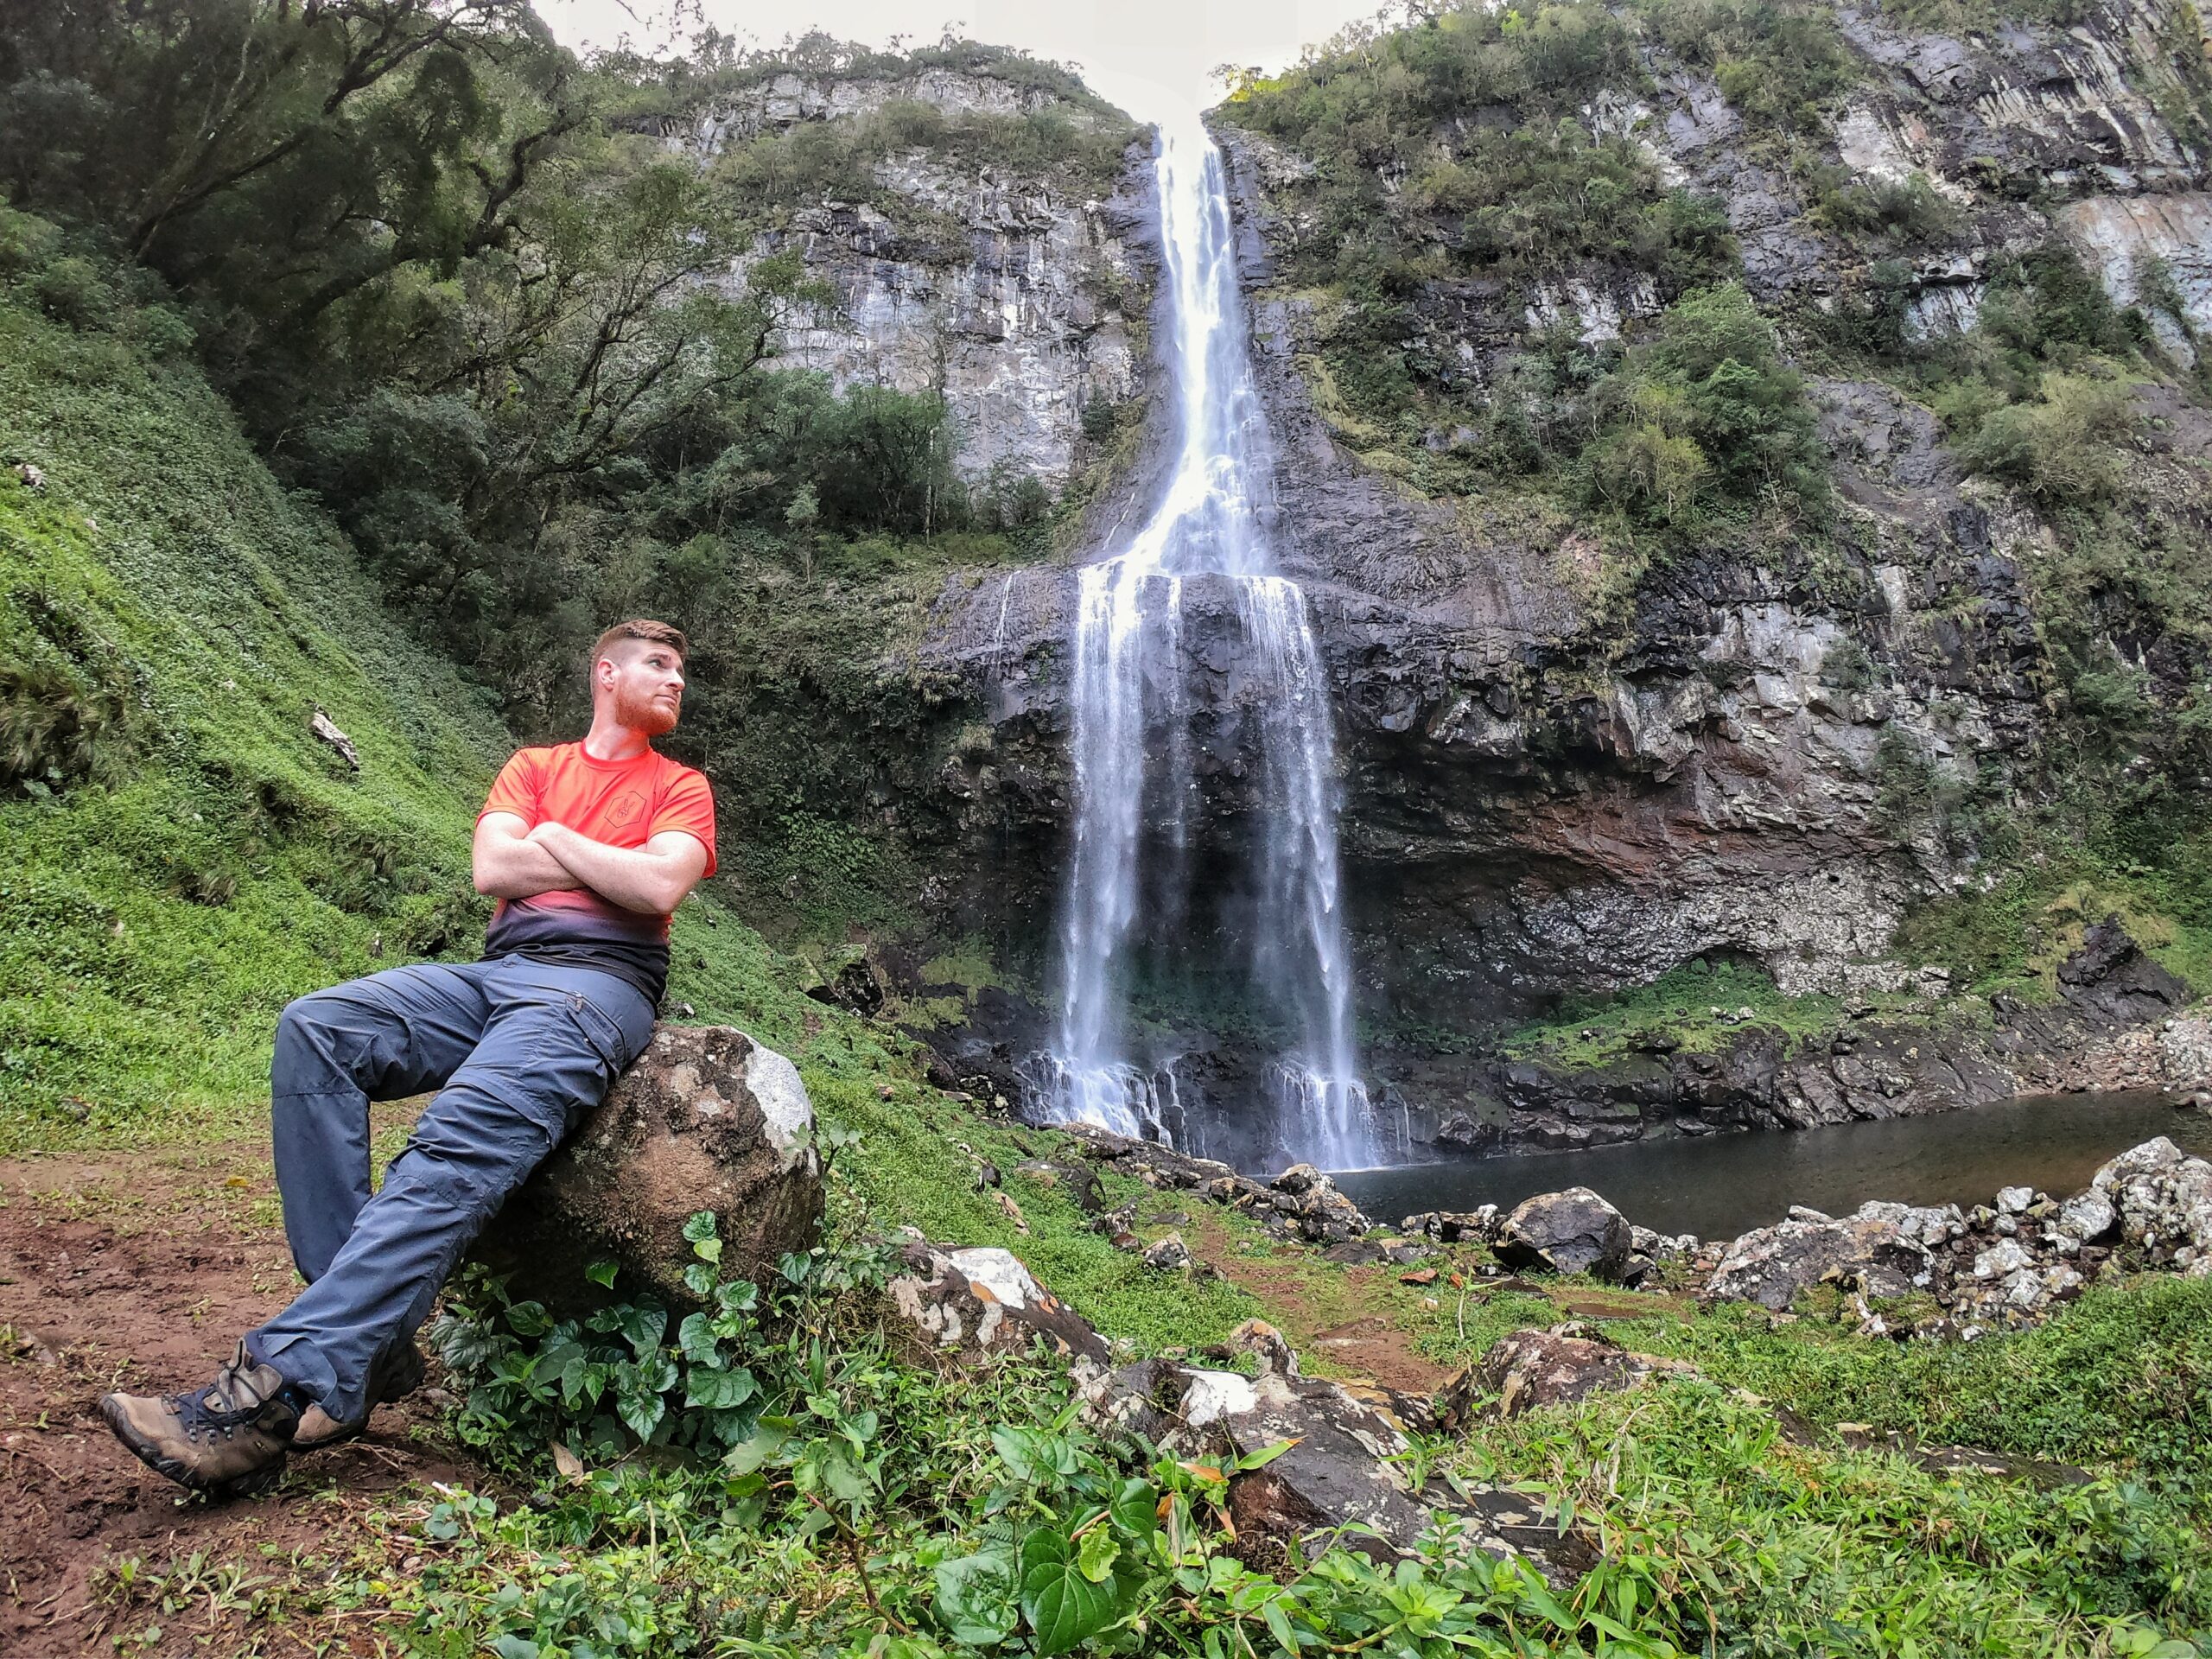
(1705, 410)
(2064, 449)
(71, 289)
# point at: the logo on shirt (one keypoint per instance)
(624, 808)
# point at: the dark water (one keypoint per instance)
(1720, 1185)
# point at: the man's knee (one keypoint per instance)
(304, 1028)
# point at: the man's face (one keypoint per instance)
(645, 681)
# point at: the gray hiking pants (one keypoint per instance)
(518, 1051)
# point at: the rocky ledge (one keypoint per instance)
(2116, 1020)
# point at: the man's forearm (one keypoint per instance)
(634, 879)
(520, 868)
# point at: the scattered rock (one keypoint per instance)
(2161, 1194)
(321, 726)
(706, 1119)
(972, 1304)
(2088, 1217)
(1078, 1179)
(1169, 1255)
(1266, 1345)
(1771, 1265)
(1573, 1231)
(1525, 1370)
(1453, 1227)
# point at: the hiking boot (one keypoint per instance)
(228, 1439)
(397, 1374)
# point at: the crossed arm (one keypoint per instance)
(514, 860)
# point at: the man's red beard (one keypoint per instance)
(643, 713)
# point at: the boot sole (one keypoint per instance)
(249, 1484)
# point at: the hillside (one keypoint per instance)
(183, 854)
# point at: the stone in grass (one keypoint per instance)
(1573, 1231)
(970, 1305)
(1170, 1254)
(706, 1119)
(1525, 1370)
(1334, 1469)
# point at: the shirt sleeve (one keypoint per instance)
(515, 790)
(688, 805)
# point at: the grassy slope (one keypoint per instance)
(150, 929)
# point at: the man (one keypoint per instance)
(588, 847)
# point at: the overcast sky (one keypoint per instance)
(1152, 57)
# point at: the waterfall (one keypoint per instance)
(1132, 748)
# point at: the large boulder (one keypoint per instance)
(706, 1119)
(1573, 1231)
(1874, 1251)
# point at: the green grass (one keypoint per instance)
(151, 925)
(1694, 1007)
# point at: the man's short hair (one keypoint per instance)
(638, 627)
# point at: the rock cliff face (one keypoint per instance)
(1009, 288)
(1542, 796)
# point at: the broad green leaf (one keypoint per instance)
(699, 1279)
(979, 1598)
(1062, 1607)
(1278, 1625)
(643, 1325)
(602, 1273)
(1136, 1509)
(640, 1411)
(1096, 1552)
(696, 1337)
(767, 1440)
(699, 1227)
(718, 1389)
(843, 1474)
(529, 1318)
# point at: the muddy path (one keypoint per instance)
(140, 1270)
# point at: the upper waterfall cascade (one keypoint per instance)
(1133, 736)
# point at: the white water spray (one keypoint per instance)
(1131, 680)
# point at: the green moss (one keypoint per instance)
(1698, 1007)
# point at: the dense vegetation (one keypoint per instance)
(457, 287)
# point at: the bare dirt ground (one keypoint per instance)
(140, 1270)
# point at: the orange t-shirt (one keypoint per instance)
(623, 804)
